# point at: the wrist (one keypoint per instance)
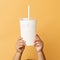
(18, 53)
(39, 53)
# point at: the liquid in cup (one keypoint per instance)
(28, 30)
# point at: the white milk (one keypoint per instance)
(28, 30)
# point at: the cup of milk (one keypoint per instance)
(28, 30)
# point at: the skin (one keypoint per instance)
(38, 44)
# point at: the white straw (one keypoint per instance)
(28, 12)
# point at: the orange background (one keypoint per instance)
(47, 13)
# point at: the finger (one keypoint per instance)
(36, 41)
(36, 44)
(21, 44)
(40, 43)
(20, 38)
(38, 37)
(20, 41)
(20, 47)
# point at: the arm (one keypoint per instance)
(17, 56)
(41, 56)
(39, 48)
(20, 48)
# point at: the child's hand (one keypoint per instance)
(20, 45)
(38, 44)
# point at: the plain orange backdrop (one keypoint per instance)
(47, 14)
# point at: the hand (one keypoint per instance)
(20, 45)
(38, 44)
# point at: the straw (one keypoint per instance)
(28, 12)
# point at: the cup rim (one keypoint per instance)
(26, 19)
